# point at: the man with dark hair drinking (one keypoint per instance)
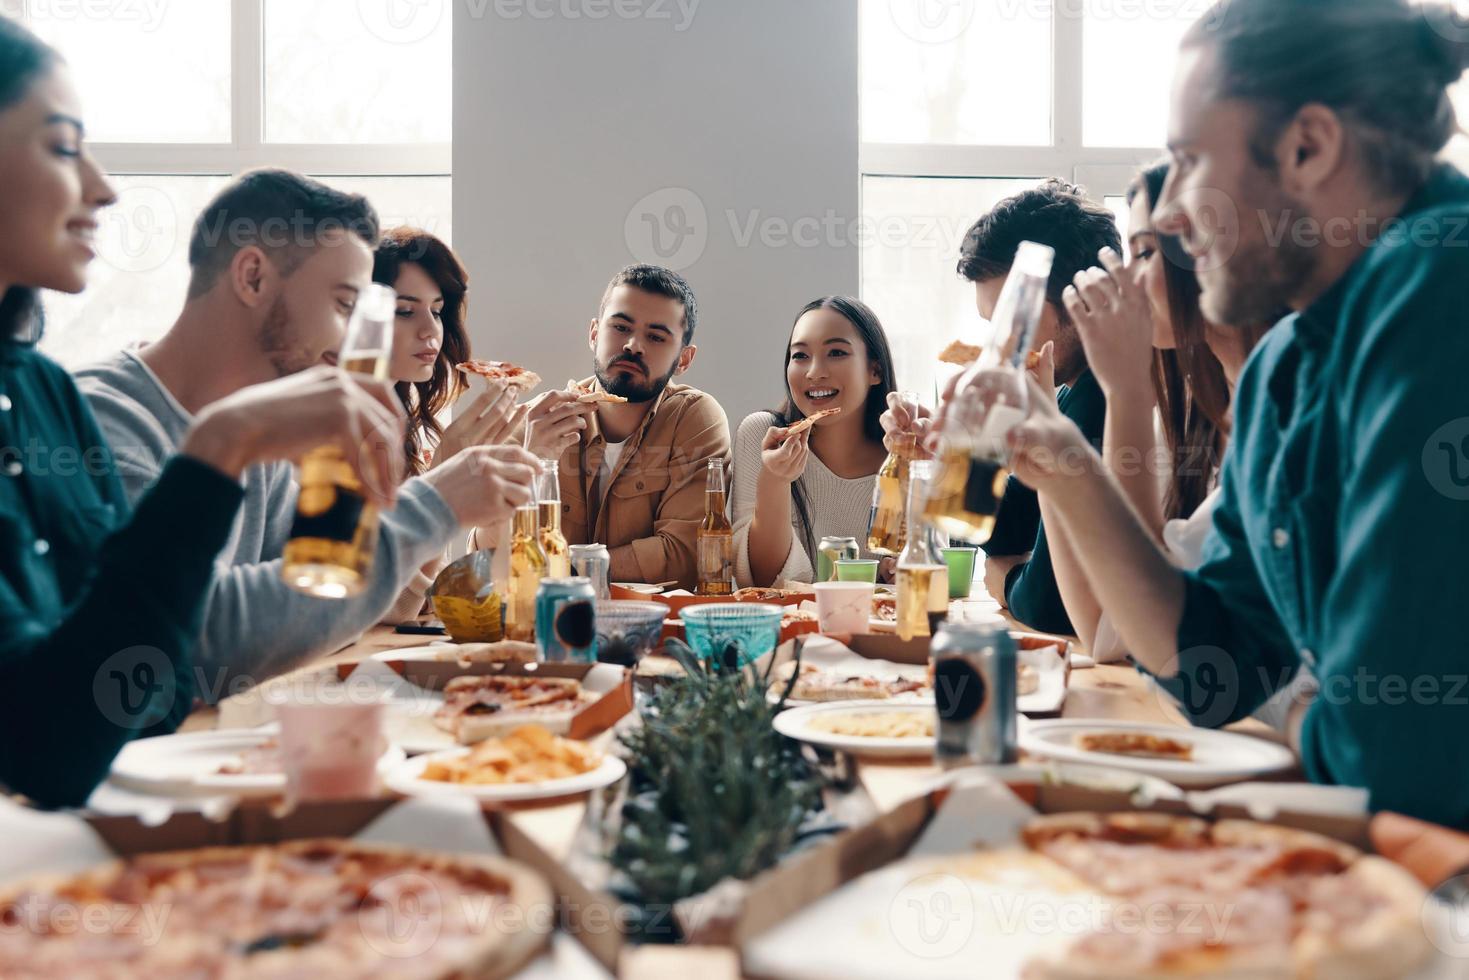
(633, 466)
(277, 262)
(1337, 548)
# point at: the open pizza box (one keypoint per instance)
(71, 842)
(414, 691)
(811, 916)
(679, 599)
(912, 894)
(892, 657)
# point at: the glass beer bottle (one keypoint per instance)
(553, 542)
(923, 576)
(716, 560)
(990, 400)
(527, 568)
(334, 534)
(886, 529)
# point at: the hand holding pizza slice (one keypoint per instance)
(511, 375)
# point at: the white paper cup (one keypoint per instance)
(331, 741)
(844, 607)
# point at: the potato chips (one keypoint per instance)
(529, 754)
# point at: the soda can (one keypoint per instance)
(592, 561)
(832, 550)
(974, 686)
(566, 621)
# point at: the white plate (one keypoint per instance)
(435, 653)
(188, 764)
(796, 723)
(1219, 757)
(405, 778)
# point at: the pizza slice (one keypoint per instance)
(1139, 745)
(588, 395)
(817, 684)
(511, 375)
(960, 354)
(479, 707)
(802, 425)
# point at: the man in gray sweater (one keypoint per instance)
(276, 263)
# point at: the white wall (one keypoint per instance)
(580, 126)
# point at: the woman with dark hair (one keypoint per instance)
(100, 607)
(429, 340)
(1159, 361)
(790, 491)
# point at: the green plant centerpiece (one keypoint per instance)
(714, 792)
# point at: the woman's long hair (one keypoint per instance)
(879, 353)
(23, 59)
(1192, 390)
(424, 400)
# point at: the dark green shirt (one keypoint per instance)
(1340, 541)
(1030, 589)
(99, 608)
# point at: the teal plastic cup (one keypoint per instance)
(857, 570)
(961, 571)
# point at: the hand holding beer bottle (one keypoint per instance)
(334, 536)
(990, 399)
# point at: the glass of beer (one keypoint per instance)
(334, 535)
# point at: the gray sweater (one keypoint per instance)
(255, 626)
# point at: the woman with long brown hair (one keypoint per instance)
(1162, 366)
(429, 340)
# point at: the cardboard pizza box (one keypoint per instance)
(613, 685)
(678, 600)
(723, 917)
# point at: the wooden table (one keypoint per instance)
(1106, 691)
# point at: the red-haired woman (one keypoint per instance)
(429, 340)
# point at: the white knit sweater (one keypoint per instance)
(839, 507)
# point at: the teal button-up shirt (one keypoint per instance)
(1342, 536)
(99, 607)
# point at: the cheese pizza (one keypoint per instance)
(511, 375)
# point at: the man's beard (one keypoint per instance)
(627, 385)
(1070, 354)
(1259, 280)
(275, 342)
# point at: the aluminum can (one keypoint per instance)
(592, 561)
(566, 621)
(974, 686)
(832, 550)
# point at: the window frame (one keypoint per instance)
(248, 148)
(1103, 171)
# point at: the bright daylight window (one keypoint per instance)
(179, 96)
(964, 102)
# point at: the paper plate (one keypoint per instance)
(1219, 757)
(188, 764)
(797, 723)
(406, 778)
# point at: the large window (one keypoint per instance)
(966, 101)
(180, 96)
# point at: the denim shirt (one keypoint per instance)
(1341, 538)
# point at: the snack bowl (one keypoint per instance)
(627, 630)
(733, 632)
